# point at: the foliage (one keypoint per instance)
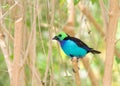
(60, 66)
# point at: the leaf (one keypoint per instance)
(117, 60)
(76, 2)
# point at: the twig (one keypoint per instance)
(51, 21)
(4, 47)
(104, 13)
(13, 6)
(86, 12)
(36, 73)
(7, 32)
(5, 53)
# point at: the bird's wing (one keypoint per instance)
(79, 43)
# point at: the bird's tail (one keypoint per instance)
(94, 51)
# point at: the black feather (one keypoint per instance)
(82, 44)
(94, 51)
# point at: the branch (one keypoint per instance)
(104, 15)
(49, 58)
(69, 26)
(13, 6)
(110, 42)
(4, 47)
(76, 71)
(86, 12)
(36, 74)
(71, 11)
(92, 77)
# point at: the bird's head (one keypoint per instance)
(60, 36)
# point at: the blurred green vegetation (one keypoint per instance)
(60, 64)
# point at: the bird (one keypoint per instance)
(73, 47)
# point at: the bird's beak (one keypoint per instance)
(55, 38)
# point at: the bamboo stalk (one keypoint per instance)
(71, 11)
(17, 53)
(69, 26)
(76, 71)
(110, 41)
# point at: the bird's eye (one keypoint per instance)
(59, 35)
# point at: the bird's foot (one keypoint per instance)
(74, 59)
(75, 64)
(74, 70)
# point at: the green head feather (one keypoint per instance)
(61, 35)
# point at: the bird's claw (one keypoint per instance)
(73, 59)
(75, 70)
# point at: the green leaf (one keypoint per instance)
(93, 1)
(76, 2)
(117, 60)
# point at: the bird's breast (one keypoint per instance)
(72, 49)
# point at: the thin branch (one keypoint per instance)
(4, 47)
(86, 12)
(50, 19)
(37, 75)
(104, 13)
(13, 6)
(32, 49)
(76, 71)
(4, 29)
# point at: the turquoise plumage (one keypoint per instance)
(73, 47)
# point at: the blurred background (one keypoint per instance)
(42, 61)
